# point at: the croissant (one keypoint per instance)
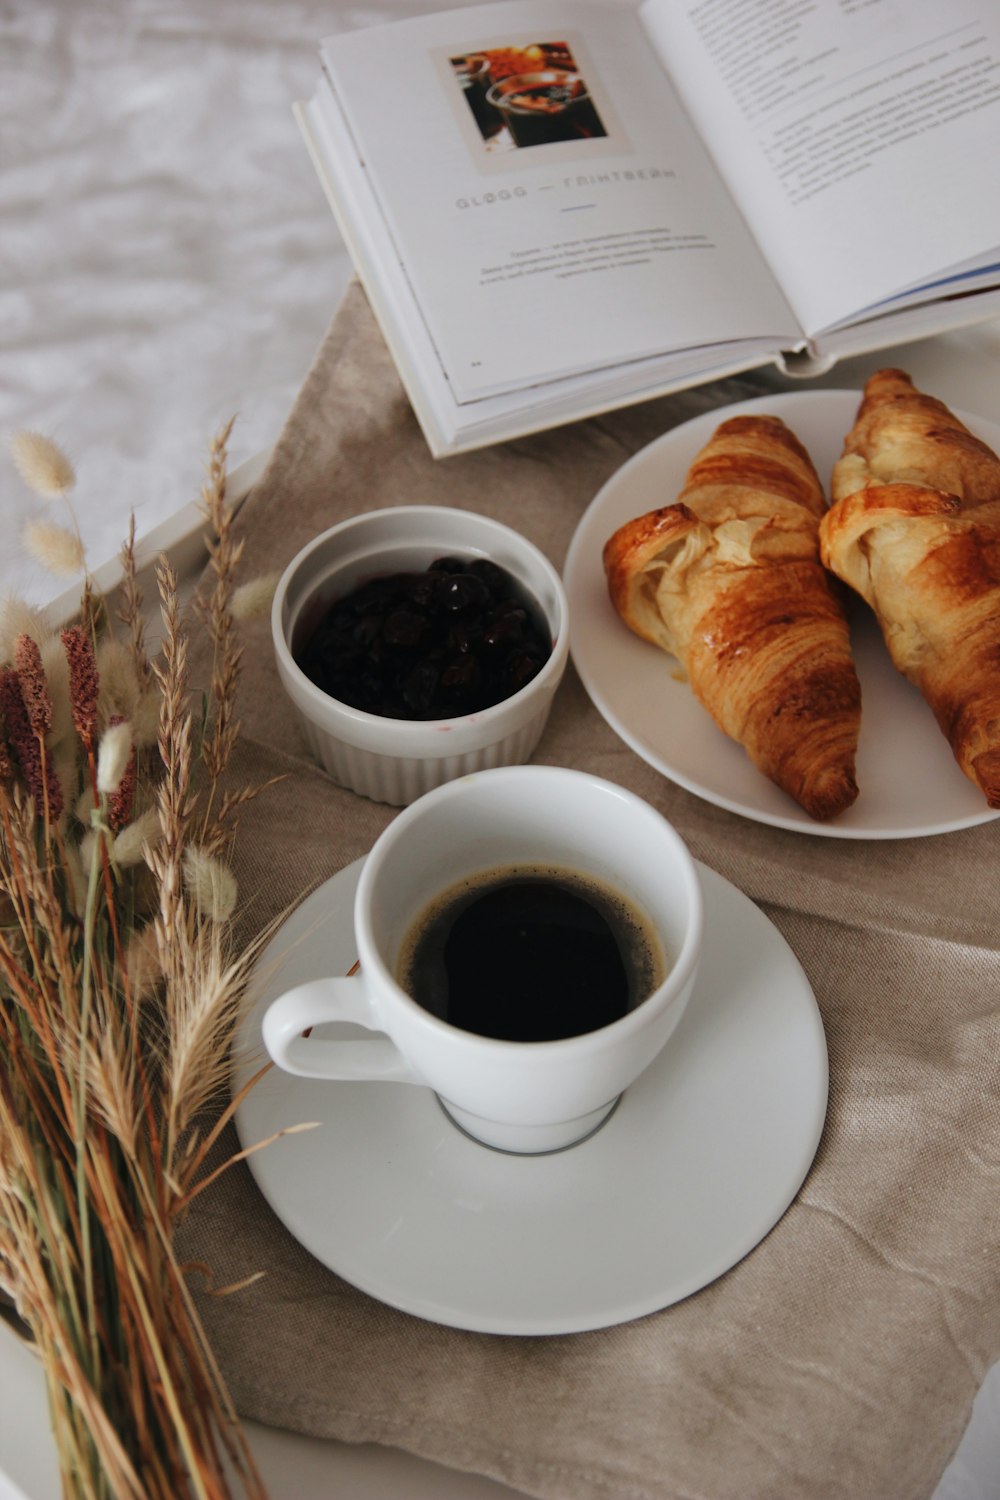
(902, 436)
(728, 580)
(915, 530)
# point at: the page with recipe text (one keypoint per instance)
(551, 204)
(859, 136)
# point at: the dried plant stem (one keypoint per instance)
(90, 911)
(174, 791)
(224, 556)
(105, 1077)
(130, 612)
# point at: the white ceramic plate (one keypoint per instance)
(909, 782)
(700, 1159)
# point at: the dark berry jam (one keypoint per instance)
(452, 640)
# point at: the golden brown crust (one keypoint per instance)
(728, 580)
(649, 541)
(759, 452)
(915, 530)
(903, 436)
(931, 571)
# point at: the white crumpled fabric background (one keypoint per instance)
(168, 260)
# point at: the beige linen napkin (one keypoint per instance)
(840, 1358)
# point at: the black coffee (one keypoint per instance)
(530, 955)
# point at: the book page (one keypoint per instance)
(859, 136)
(552, 207)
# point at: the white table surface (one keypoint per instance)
(169, 260)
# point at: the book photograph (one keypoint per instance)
(527, 96)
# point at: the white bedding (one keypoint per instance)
(168, 256)
(168, 260)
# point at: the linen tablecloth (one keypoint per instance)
(841, 1357)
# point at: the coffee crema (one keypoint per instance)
(530, 954)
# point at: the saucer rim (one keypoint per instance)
(614, 1307)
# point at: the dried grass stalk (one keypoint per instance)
(130, 609)
(42, 464)
(115, 1021)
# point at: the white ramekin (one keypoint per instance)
(397, 760)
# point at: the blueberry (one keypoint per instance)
(463, 591)
(460, 678)
(366, 630)
(504, 629)
(367, 688)
(420, 687)
(404, 627)
(454, 638)
(496, 579)
(519, 668)
(425, 590)
(509, 606)
(465, 634)
(373, 596)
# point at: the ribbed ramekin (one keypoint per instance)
(397, 760)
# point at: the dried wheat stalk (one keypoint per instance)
(116, 1012)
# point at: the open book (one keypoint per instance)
(557, 207)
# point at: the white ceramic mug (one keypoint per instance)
(517, 1096)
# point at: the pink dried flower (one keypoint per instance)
(36, 767)
(34, 687)
(23, 742)
(83, 681)
(53, 786)
(121, 798)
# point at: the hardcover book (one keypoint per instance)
(558, 208)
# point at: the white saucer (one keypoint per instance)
(700, 1159)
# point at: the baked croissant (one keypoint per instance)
(728, 580)
(915, 530)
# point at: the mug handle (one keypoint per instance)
(321, 1000)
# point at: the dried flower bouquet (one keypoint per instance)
(119, 987)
